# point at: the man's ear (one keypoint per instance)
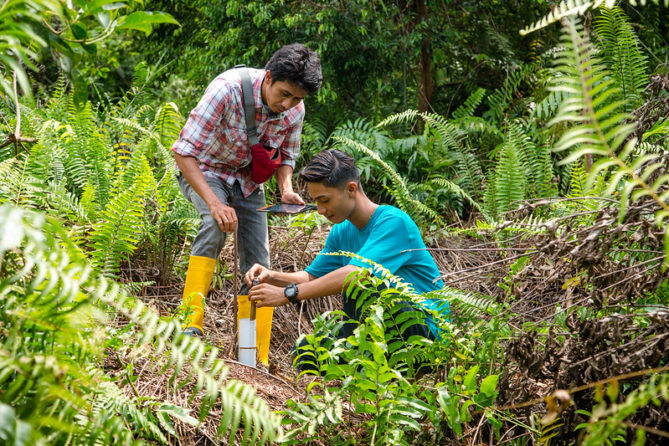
(352, 188)
(268, 77)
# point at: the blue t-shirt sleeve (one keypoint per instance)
(324, 264)
(387, 239)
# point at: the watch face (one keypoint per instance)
(291, 291)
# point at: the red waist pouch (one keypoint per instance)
(265, 161)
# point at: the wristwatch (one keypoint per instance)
(291, 293)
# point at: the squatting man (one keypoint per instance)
(383, 234)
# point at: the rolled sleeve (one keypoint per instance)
(290, 148)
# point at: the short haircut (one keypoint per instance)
(332, 168)
(297, 64)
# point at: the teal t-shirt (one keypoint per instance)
(391, 239)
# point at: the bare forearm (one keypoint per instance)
(329, 284)
(270, 293)
(284, 179)
(190, 169)
(224, 215)
(279, 278)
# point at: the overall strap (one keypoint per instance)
(249, 106)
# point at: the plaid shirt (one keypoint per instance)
(215, 132)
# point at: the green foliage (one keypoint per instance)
(373, 372)
(52, 344)
(119, 230)
(510, 184)
(71, 29)
(399, 188)
(470, 105)
(607, 420)
(569, 8)
(114, 179)
(621, 53)
(501, 101)
(599, 128)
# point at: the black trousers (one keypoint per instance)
(304, 351)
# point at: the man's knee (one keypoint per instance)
(210, 238)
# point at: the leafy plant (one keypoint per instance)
(569, 8)
(600, 130)
(70, 28)
(51, 346)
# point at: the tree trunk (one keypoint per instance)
(425, 88)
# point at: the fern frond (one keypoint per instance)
(165, 153)
(510, 182)
(19, 187)
(399, 118)
(467, 304)
(51, 306)
(468, 167)
(578, 180)
(620, 51)
(600, 128)
(471, 103)
(476, 126)
(530, 225)
(568, 8)
(460, 192)
(314, 135)
(116, 235)
(168, 123)
(400, 190)
(501, 99)
(549, 105)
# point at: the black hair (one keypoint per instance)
(297, 64)
(332, 168)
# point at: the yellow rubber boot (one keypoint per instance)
(198, 280)
(263, 325)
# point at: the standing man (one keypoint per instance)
(383, 234)
(215, 162)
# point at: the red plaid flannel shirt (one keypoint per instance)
(215, 132)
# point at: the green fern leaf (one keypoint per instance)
(620, 51)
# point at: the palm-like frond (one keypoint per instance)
(52, 304)
(598, 128)
(399, 190)
(568, 8)
(467, 109)
(621, 53)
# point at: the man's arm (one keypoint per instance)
(267, 295)
(277, 278)
(224, 215)
(284, 179)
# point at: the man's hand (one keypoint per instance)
(266, 295)
(225, 216)
(291, 198)
(257, 271)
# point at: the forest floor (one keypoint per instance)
(478, 265)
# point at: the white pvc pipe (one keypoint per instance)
(247, 342)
